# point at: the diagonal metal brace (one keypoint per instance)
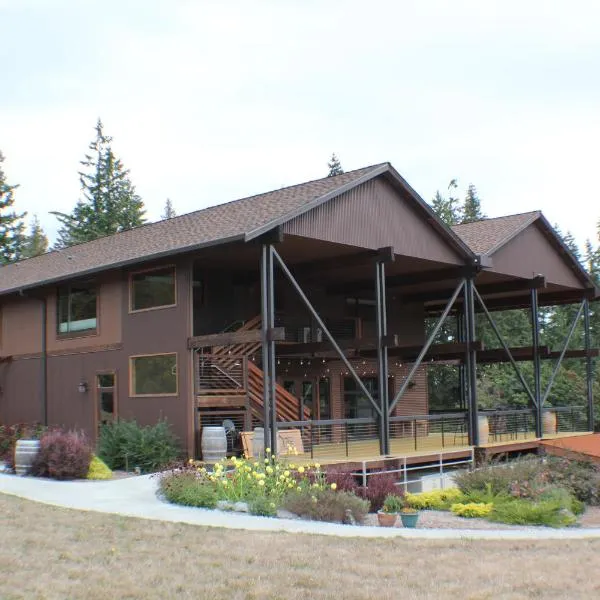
(562, 353)
(506, 348)
(427, 345)
(326, 331)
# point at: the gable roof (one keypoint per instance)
(488, 235)
(240, 220)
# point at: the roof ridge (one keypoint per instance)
(485, 219)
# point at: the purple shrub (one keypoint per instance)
(344, 480)
(63, 455)
(380, 485)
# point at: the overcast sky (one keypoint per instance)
(209, 101)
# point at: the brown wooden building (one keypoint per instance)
(302, 308)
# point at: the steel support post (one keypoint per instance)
(382, 359)
(462, 372)
(537, 374)
(271, 348)
(471, 362)
(266, 363)
(589, 367)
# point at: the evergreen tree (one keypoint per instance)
(36, 242)
(335, 166)
(446, 209)
(169, 212)
(471, 210)
(109, 203)
(11, 224)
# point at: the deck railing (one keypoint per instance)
(429, 432)
(359, 438)
(566, 419)
(506, 425)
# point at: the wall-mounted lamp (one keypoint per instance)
(82, 387)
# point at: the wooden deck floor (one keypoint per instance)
(425, 447)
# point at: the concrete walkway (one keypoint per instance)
(136, 497)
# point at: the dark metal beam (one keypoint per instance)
(316, 267)
(562, 354)
(401, 280)
(325, 330)
(271, 345)
(537, 373)
(471, 361)
(266, 363)
(504, 345)
(309, 348)
(589, 364)
(484, 290)
(382, 359)
(427, 345)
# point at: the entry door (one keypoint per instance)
(106, 398)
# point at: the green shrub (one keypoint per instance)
(125, 445)
(186, 488)
(526, 512)
(392, 504)
(98, 470)
(326, 505)
(262, 507)
(472, 509)
(434, 500)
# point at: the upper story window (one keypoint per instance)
(152, 289)
(77, 308)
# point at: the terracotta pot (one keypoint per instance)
(386, 519)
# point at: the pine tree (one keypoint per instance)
(36, 242)
(471, 210)
(446, 209)
(335, 166)
(109, 203)
(169, 212)
(11, 224)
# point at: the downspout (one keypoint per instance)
(45, 360)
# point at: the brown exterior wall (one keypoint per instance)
(529, 254)
(161, 331)
(20, 391)
(374, 215)
(21, 326)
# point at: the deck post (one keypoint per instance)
(537, 377)
(589, 367)
(471, 361)
(266, 285)
(382, 359)
(271, 346)
(462, 372)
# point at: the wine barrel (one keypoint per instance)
(258, 442)
(25, 453)
(549, 422)
(484, 429)
(214, 444)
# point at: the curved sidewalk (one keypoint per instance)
(136, 497)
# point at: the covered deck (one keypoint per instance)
(330, 331)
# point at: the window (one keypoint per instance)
(77, 308)
(152, 289)
(356, 403)
(105, 385)
(153, 375)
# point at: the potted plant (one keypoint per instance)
(388, 514)
(409, 516)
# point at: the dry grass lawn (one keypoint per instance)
(52, 553)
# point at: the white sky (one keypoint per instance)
(210, 101)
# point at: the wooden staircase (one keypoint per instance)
(237, 383)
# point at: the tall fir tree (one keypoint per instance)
(12, 227)
(169, 211)
(36, 241)
(447, 209)
(471, 210)
(335, 166)
(108, 204)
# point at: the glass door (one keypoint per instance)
(106, 398)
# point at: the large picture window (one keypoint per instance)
(77, 309)
(152, 289)
(153, 375)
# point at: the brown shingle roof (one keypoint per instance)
(241, 219)
(486, 236)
